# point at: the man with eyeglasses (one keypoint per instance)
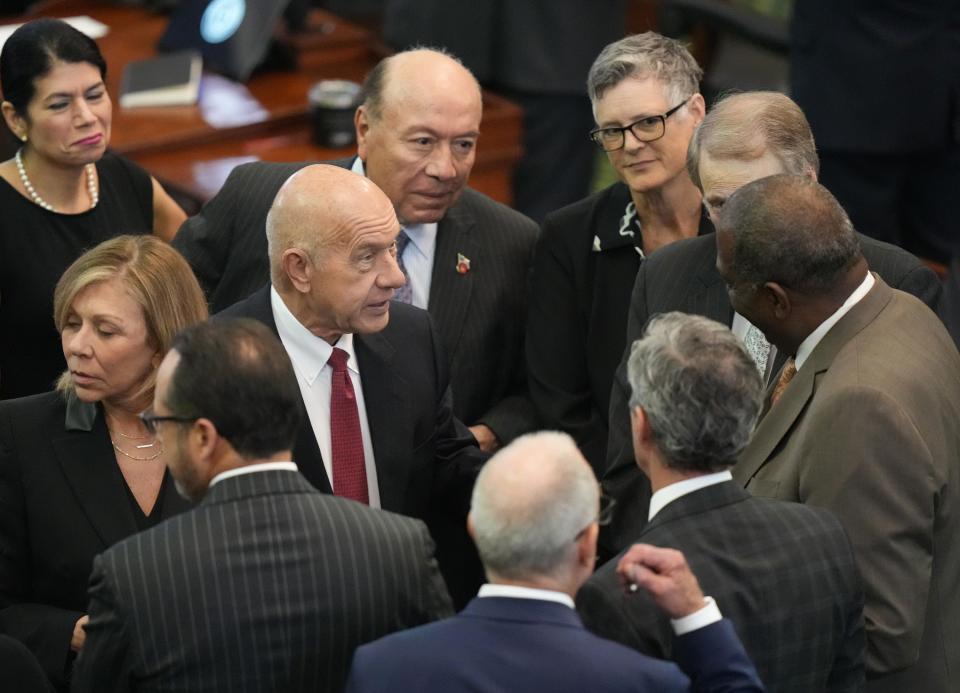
(644, 91)
(534, 518)
(783, 573)
(268, 584)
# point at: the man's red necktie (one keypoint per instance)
(346, 443)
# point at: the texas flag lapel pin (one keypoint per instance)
(463, 263)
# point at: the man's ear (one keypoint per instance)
(777, 299)
(587, 547)
(298, 267)
(361, 123)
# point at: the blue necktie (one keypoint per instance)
(405, 293)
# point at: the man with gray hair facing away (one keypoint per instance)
(783, 573)
(535, 515)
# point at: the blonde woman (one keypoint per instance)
(78, 469)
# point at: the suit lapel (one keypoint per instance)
(708, 293)
(87, 461)
(778, 420)
(386, 406)
(450, 290)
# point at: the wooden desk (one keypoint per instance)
(191, 150)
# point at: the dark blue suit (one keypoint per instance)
(507, 644)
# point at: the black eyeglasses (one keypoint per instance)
(646, 129)
(150, 420)
(604, 516)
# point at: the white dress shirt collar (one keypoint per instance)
(253, 468)
(518, 592)
(670, 493)
(308, 352)
(813, 339)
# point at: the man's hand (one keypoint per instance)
(663, 573)
(79, 634)
(486, 439)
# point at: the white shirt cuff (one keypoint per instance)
(710, 613)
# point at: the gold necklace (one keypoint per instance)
(115, 429)
(138, 459)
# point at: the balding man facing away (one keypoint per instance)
(378, 425)
(535, 521)
(783, 573)
(862, 420)
(267, 585)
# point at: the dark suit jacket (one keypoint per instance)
(878, 76)
(582, 273)
(266, 586)
(62, 501)
(683, 276)
(479, 315)
(424, 456)
(426, 459)
(869, 429)
(21, 670)
(507, 644)
(783, 573)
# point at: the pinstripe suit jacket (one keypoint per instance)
(426, 459)
(479, 315)
(683, 276)
(268, 585)
(783, 573)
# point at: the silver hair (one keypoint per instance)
(645, 55)
(529, 504)
(699, 389)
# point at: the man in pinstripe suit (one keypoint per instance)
(783, 573)
(268, 585)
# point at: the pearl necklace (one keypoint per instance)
(91, 184)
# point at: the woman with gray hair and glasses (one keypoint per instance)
(646, 103)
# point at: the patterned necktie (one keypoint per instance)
(786, 375)
(405, 293)
(346, 443)
(758, 347)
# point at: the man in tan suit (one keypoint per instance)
(864, 418)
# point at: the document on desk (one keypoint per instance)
(88, 25)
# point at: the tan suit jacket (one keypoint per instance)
(870, 429)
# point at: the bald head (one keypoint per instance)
(417, 131)
(792, 231)
(745, 127)
(529, 504)
(317, 208)
(331, 237)
(417, 73)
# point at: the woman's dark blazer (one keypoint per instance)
(62, 501)
(584, 267)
